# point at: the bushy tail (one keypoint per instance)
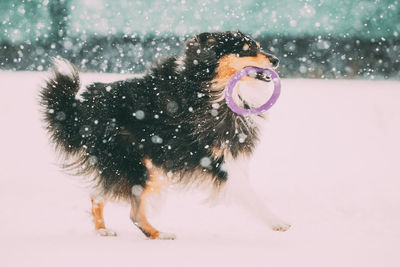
(61, 109)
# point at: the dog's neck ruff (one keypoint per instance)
(248, 71)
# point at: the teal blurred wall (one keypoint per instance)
(312, 38)
(30, 20)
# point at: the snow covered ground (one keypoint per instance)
(328, 163)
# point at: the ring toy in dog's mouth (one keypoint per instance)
(255, 73)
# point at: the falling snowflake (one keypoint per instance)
(137, 190)
(61, 116)
(156, 139)
(93, 160)
(205, 162)
(139, 114)
(172, 107)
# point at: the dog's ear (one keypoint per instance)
(201, 47)
(205, 39)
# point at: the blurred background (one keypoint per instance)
(312, 38)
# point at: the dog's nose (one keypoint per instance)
(274, 61)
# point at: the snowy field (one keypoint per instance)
(328, 163)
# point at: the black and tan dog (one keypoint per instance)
(171, 124)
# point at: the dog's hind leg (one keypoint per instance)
(98, 219)
(138, 203)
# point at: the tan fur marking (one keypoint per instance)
(97, 212)
(211, 41)
(230, 64)
(143, 223)
(157, 178)
(218, 152)
(154, 185)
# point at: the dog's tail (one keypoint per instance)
(61, 110)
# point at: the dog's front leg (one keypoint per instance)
(98, 219)
(240, 189)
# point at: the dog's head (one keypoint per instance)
(225, 53)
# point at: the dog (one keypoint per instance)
(172, 123)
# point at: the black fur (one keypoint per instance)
(165, 116)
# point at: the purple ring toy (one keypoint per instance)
(252, 111)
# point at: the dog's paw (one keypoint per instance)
(281, 227)
(165, 236)
(106, 232)
(275, 223)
